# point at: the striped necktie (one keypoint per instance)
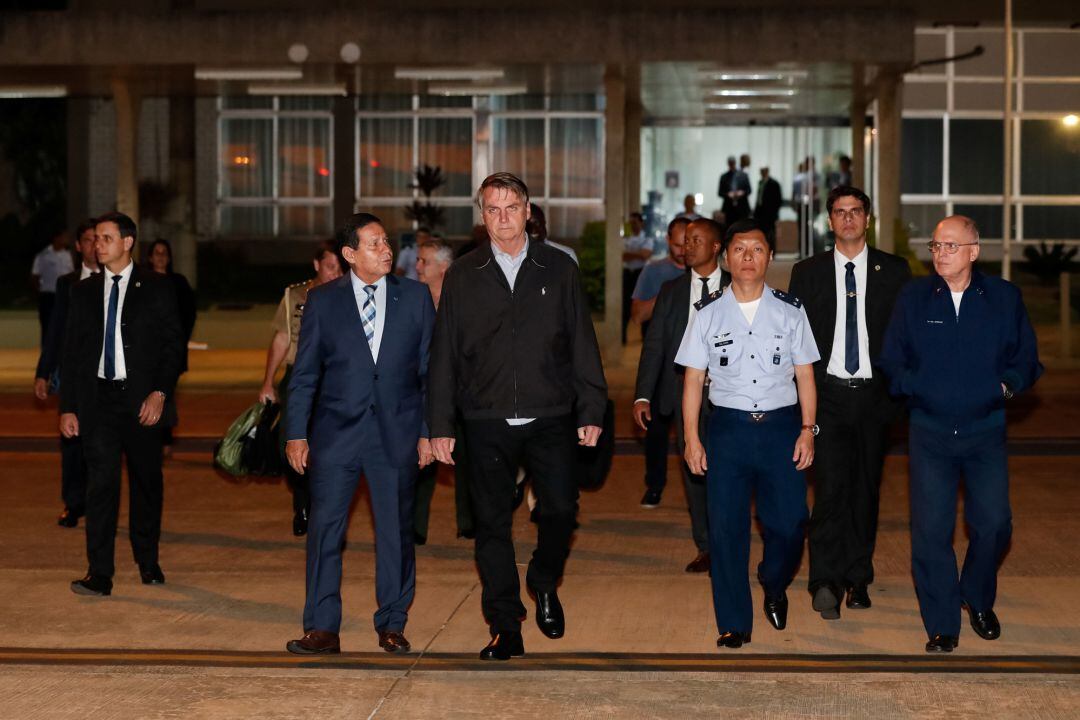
(367, 314)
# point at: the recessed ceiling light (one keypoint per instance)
(253, 73)
(272, 89)
(21, 92)
(465, 89)
(448, 73)
(766, 107)
(764, 92)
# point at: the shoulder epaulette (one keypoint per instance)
(303, 283)
(708, 299)
(789, 299)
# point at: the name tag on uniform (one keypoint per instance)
(722, 343)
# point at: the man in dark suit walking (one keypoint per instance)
(356, 407)
(659, 380)
(849, 294)
(122, 354)
(72, 461)
(769, 200)
(734, 192)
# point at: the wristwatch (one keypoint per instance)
(814, 429)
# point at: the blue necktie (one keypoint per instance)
(367, 314)
(110, 329)
(851, 322)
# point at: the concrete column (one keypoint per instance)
(126, 103)
(858, 125)
(633, 137)
(614, 209)
(344, 178)
(888, 137)
(181, 213)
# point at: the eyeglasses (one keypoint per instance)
(948, 248)
(854, 213)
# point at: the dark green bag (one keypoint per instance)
(229, 453)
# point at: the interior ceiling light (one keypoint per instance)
(763, 92)
(21, 92)
(265, 73)
(272, 89)
(757, 75)
(767, 107)
(448, 73)
(464, 89)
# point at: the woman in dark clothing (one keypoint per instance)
(159, 259)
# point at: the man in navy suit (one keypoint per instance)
(356, 407)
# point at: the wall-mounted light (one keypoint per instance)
(1070, 121)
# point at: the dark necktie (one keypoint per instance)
(110, 329)
(705, 288)
(851, 322)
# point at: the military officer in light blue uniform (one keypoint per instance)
(751, 341)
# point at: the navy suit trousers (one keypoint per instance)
(332, 487)
(747, 458)
(937, 462)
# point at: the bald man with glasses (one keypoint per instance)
(958, 347)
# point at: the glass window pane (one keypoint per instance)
(518, 147)
(447, 143)
(393, 219)
(243, 221)
(1051, 54)
(921, 219)
(987, 217)
(921, 163)
(930, 46)
(990, 63)
(247, 102)
(517, 102)
(1052, 222)
(304, 157)
(247, 164)
(305, 102)
(384, 102)
(385, 162)
(1052, 98)
(976, 157)
(304, 221)
(979, 96)
(1050, 158)
(565, 224)
(924, 96)
(446, 101)
(577, 158)
(574, 102)
(457, 222)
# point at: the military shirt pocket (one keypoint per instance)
(724, 352)
(777, 350)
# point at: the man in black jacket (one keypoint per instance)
(849, 294)
(659, 380)
(72, 462)
(769, 200)
(122, 355)
(514, 350)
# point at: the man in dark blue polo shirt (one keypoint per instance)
(958, 346)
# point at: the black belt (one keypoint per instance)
(112, 384)
(849, 382)
(755, 416)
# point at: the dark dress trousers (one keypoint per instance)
(361, 417)
(854, 420)
(72, 461)
(108, 412)
(734, 209)
(660, 380)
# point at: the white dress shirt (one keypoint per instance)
(120, 367)
(85, 272)
(510, 264)
(380, 308)
(634, 243)
(49, 265)
(836, 359)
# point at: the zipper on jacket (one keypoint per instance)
(513, 345)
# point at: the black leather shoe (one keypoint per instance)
(299, 522)
(549, 613)
(776, 611)
(699, 564)
(96, 585)
(315, 642)
(393, 641)
(827, 602)
(651, 499)
(985, 624)
(68, 518)
(942, 644)
(858, 598)
(504, 646)
(733, 640)
(151, 574)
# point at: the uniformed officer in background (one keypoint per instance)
(283, 350)
(751, 340)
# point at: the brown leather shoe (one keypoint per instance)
(316, 642)
(393, 641)
(699, 564)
